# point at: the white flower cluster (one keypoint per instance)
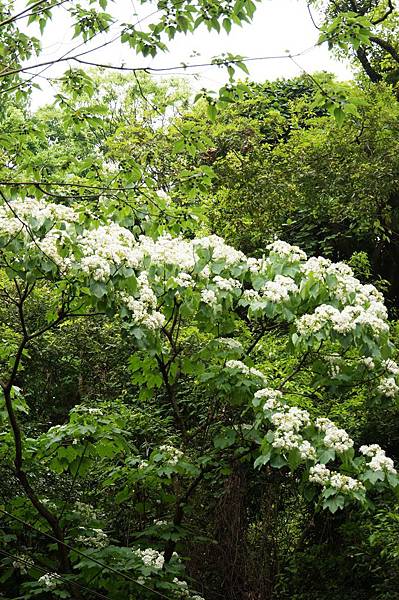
(95, 539)
(288, 423)
(251, 296)
(388, 387)
(379, 461)
(219, 250)
(150, 557)
(334, 437)
(108, 252)
(345, 285)
(172, 453)
(230, 343)
(255, 265)
(273, 398)
(183, 280)
(106, 249)
(143, 307)
(183, 590)
(208, 297)
(290, 254)
(321, 475)
(344, 321)
(81, 408)
(288, 435)
(334, 362)
(49, 581)
(226, 284)
(279, 289)
(292, 419)
(240, 366)
(50, 246)
(316, 267)
(169, 251)
(85, 510)
(368, 362)
(22, 562)
(361, 304)
(31, 213)
(391, 366)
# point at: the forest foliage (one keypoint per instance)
(199, 319)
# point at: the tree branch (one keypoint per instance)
(386, 15)
(385, 46)
(369, 70)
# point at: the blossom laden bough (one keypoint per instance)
(101, 265)
(294, 438)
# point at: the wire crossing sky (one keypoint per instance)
(280, 28)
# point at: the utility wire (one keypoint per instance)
(46, 572)
(25, 13)
(87, 556)
(147, 69)
(64, 57)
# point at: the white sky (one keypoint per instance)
(279, 27)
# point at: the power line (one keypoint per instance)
(46, 572)
(25, 13)
(183, 66)
(87, 556)
(147, 69)
(64, 57)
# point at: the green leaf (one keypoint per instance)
(98, 288)
(211, 111)
(334, 503)
(226, 25)
(123, 495)
(278, 461)
(225, 439)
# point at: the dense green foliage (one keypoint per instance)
(284, 169)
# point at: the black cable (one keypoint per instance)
(80, 553)
(46, 572)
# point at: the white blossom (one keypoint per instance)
(50, 580)
(390, 366)
(316, 267)
(273, 398)
(379, 461)
(208, 296)
(284, 250)
(226, 284)
(150, 557)
(334, 437)
(251, 295)
(368, 362)
(172, 453)
(307, 451)
(344, 483)
(279, 289)
(230, 343)
(321, 475)
(93, 537)
(292, 419)
(240, 366)
(388, 387)
(183, 280)
(22, 562)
